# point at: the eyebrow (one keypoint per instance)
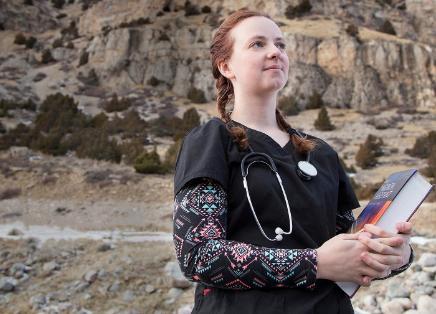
(264, 38)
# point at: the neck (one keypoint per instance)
(255, 111)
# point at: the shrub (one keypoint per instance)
(171, 154)
(83, 58)
(387, 28)
(20, 39)
(28, 2)
(165, 126)
(298, 10)
(368, 152)
(149, 162)
(163, 37)
(57, 43)
(10, 193)
(323, 123)
(2, 26)
(196, 95)
(190, 119)
(206, 9)
(30, 42)
(166, 7)
(70, 32)
(2, 128)
(431, 163)
(70, 45)
(61, 16)
(21, 135)
(153, 81)
(47, 57)
(59, 113)
(95, 144)
(115, 104)
(91, 79)
(130, 126)
(50, 143)
(132, 150)
(99, 121)
(352, 30)
(423, 145)
(58, 4)
(314, 101)
(191, 9)
(6, 105)
(134, 23)
(289, 105)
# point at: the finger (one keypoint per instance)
(378, 247)
(377, 231)
(349, 236)
(365, 281)
(381, 262)
(368, 259)
(393, 241)
(368, 271)
(364, 234)
(404, 227)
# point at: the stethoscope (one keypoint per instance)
(305, 170)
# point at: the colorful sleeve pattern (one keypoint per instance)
(344, 221)
(205, 255)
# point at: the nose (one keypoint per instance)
(274, 52)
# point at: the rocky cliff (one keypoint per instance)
(366, 55)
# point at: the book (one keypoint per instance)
(398, 198)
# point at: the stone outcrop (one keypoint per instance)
(135, 43)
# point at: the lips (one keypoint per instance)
(273, 67)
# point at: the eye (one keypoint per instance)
(257, 44)
(281, 45)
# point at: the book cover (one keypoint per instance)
(396, 200)
(382, 199)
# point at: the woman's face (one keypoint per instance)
(258, 45)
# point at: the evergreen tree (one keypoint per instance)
(323, 123)
(149, 162)
(368, 152)
(191, 119)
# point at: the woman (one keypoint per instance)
(255, 244)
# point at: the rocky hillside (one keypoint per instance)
(366, 55)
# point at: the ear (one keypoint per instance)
(225, 70)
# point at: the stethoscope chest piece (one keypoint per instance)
(306, 170)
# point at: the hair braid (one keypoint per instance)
(224, 94)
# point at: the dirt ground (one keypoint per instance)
(88, 195)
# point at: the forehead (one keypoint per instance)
(255, 26)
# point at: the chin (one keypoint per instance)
(276, 86)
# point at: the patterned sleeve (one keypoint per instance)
(344, 220)
(205, 255)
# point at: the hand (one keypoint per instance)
(387, 249)
(339, 259)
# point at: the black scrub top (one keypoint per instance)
(209, 151)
